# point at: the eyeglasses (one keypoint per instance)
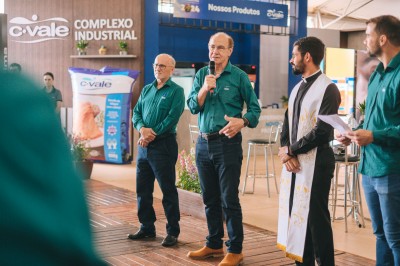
(219, 48)
(160, 66)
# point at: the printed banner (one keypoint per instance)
(250, 12)
(101, 111)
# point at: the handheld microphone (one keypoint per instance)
(211, 67)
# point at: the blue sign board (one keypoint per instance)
(249, 12)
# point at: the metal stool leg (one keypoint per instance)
(254, 167)
(346, 190)
(247, 169)
(360, 200)
(352, 204)
(358, 211)
(335, 199)
(267, 171)
(254, 175)
(273, 168)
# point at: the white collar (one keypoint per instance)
(305, 79)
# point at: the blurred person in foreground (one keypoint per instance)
(379, 138)
(44, 217)
(218, 99)
(156, 116)
(304, 222)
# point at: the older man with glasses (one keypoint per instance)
(155, 116)
(218, 98)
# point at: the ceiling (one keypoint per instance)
(344, 15)
(348, 15)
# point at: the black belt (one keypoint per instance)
(163, 136)
(210, 136)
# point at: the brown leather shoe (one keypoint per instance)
(205, 252)
(232, 259)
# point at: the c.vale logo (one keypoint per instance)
(35, 31)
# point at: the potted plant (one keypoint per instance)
(81, 47)
(103, 50)
(285, 101)
(123, 48)
(361, 108)
(188, 184)
(80, 154)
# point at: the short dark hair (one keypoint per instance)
(389, 26)
(16, 66)
(311, 45)
(49, 74)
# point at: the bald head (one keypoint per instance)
(224, 35)
(167, 57)
(163, 66)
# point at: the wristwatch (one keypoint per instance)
(245, 122)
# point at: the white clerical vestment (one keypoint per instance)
(292, 229)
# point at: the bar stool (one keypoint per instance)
(274, 129)
(194, 133)
(351, 188)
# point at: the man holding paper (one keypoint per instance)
(379, 138)
(304, 229)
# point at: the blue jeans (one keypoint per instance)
(157, 161)
(383, 199)
(219, 164)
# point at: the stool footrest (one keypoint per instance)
(267, 147)
(261, 176)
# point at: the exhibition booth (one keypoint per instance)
(57, 36)
(101, 54)
(46, 37)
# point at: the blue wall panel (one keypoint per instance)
(301, 31)
(151, 38)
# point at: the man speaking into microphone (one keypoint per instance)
(218, 95)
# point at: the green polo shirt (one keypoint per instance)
(233, 90)
(55, 96)
(159, 109)
(382, 117)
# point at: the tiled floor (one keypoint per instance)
(258, 209)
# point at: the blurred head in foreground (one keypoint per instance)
(44, 217)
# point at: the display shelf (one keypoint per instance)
(103, 56)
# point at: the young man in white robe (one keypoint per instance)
(304, 229)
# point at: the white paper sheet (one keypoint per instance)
(336, 122)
